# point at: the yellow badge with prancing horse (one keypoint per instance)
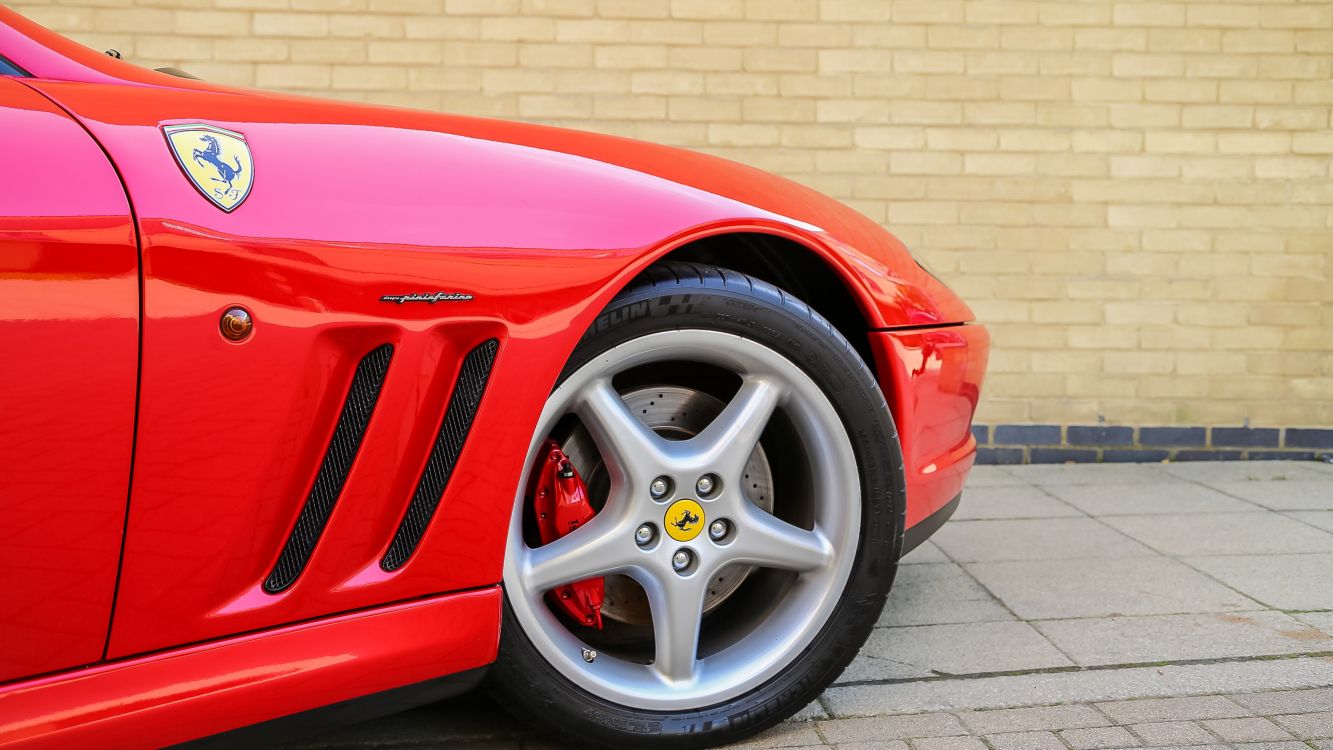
(216, 160)
(684, 520)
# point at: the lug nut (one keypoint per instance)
(705, 485)
(717, 530)
(645, 534)
(681, 560)
(659, 488)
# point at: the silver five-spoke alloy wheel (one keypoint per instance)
(650, 473)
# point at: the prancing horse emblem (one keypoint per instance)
(685, 521)
(216, 160)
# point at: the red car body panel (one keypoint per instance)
(542, 227)
(942, 369)
(69, 355)
(166, 699)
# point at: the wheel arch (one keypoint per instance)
(793, 267)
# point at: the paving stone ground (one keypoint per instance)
(1073, 607)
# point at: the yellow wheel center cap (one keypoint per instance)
(684, 520)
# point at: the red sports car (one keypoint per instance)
(310, 405)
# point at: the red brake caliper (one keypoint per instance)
(561, 504)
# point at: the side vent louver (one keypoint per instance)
(347, 435)
(458, 418)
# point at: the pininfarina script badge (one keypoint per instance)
(429, 298)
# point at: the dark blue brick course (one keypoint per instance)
(1134, 455)
(1100, 435)
(1181, 437)
(1062, 455)
(1244, 437)
(1282, 455)
(1303, 438)
(1207, 456)
(1027, 434)
(1045, 443)
(993, 456)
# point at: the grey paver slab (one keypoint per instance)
(1011, 502)
(1083, 686)
(838, 731)
(966, 648)
(1321, 620)
(1223, 534)
(877, 745)
(1289, 745)
(936, 594)
(950, 596)
(948, 743)
(1321, 518)
(1025, 741)
(1042, 539)
(1105, 587)
(1310, 726)
(1237, 471)
(1092, 474)
(1287, 701)
(991, 476)
(924, 554)
(1281, 581)
(1156, 638)
(1172, 709)
(1035, 718)
(1285, 495)
(1099, 738)
(1140, 499)
(1172, 733)
(813, 710)
(1248, 729)
(788, 734)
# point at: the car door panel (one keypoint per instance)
(69, 306)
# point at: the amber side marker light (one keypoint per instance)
(236, 324)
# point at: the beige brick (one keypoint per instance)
(925, 163)
(1149, 14)
(1111, 39)
(1148, 66)
(1312, 16)
(1017, 12)
(1180, 91)
(1190, 40)
(1250, 41)
(293, 76)
(291, 24)
(1255, 92)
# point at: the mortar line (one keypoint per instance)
(1090, 668)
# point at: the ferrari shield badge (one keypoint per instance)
(216, 160)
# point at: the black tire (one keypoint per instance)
(671, 296)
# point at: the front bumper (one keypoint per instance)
(932, 378)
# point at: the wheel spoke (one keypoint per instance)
(629, 447)
(767, 541)
(729, 441)
(599, 547)
(677, 612)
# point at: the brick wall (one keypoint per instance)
(1136, 196)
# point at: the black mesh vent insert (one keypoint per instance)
(444, 455)
(361, 398)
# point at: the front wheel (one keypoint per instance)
(747, 485)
